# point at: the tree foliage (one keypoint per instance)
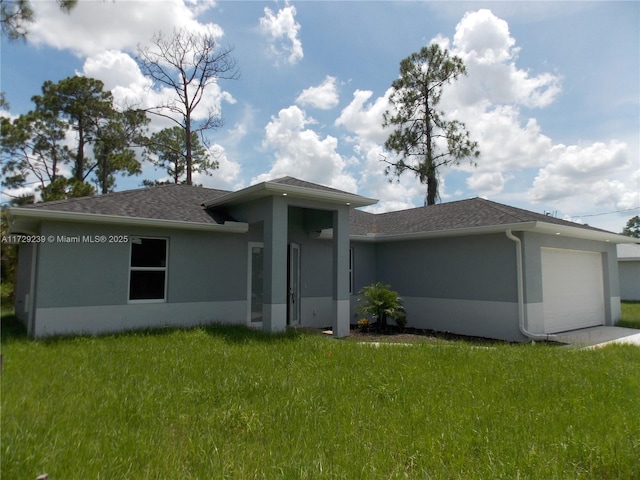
(113, 147)
(187, 63)
(632, 228)
(423, 136)
(33, 147)
(83, 104)
(169, 152)
(75, 123)
(17, 15)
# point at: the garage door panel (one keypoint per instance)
(572, 289)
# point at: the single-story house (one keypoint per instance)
(292, 253)
(629, 266)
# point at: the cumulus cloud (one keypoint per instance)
(95, 26)
(121, 74)
(490, 100)
(323, 96)
(364, 118)
(488, 50)
(576, 170)
(302, 153)
(226, 176)
(281, 30)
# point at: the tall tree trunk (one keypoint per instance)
(79, 173)
(189, 158)
(432, 187)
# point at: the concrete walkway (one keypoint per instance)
(598, 336)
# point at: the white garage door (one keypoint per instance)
(572, 289)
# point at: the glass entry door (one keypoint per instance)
(256, 283)
(294, 285)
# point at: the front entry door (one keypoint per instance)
(294, 285)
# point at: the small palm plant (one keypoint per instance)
(379, 301)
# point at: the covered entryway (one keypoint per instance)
(572, 289)
(274, 260)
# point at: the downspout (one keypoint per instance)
(520, 275)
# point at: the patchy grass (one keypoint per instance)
(630, 315)
(227, 402)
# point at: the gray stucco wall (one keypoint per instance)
(464, 285)
(364, 265)
(629, 280)
(468, 285)
(202, 266)
(481, 267)
(23, 281)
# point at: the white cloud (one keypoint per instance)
(365, 119)
(487, 183)
(323, 96)
(282, 31)
(225, 177)
(121, 74)
(300, 152)
(117, 70)
(580, 171)
(484, 43)
(95, 26)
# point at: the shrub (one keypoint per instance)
(364, 324)
(6, 293)
(380, 301)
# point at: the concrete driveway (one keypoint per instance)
(598, 336)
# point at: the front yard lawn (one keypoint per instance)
(225, 402)
(630, 315)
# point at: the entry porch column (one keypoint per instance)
(341, 300)
(274, 308)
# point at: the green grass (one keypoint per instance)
(630, 315)
(225, 402)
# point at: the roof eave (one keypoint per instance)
(457, 232)
(533, 226)
(582, 233)
(21, 218)
(267, 189)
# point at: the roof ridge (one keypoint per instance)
(506, 209)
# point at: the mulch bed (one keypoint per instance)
(395, 334)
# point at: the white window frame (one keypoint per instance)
(251, 245)
(164, 269)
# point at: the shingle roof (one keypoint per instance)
(185, 203)
(163, 202)
(301, 183)
(475, 212)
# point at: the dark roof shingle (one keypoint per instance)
(185, 203)
(163, 202)
(475, 212)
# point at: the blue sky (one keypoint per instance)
(552, 92)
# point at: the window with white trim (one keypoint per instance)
(148, 269)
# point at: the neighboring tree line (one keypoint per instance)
(76, 127)
(110, 141)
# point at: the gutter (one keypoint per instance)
(521, 309)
